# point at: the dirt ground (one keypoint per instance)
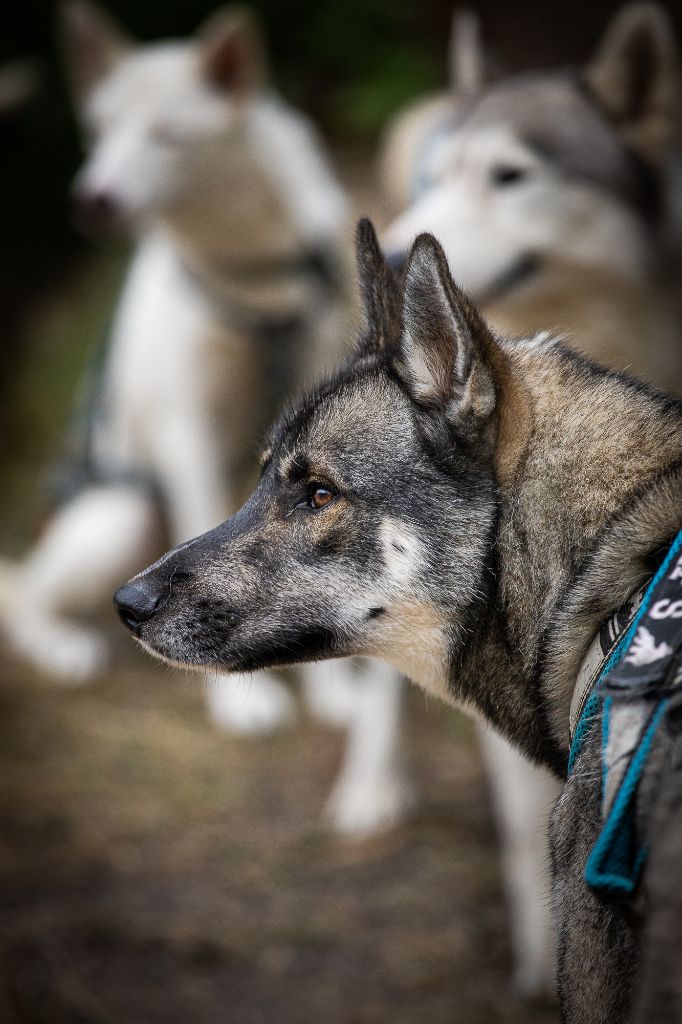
(153, 870)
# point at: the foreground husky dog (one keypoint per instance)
(556, 198)
(469, 509)
(235, 290)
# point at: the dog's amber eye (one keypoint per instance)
(320, 497)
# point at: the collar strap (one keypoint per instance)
(599, 652)
(646, 606)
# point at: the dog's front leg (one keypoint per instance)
(523, 794)
(191, 465)
(103, 534)
(597, 956)
(373, 790)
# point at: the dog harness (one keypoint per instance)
(629, 679)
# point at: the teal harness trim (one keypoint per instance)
(616, 859)
(615, 862)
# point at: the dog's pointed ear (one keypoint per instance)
(232, 51)
(92, 42)
(380, 294)
(467, 60)
(635, 77)
(441, 355)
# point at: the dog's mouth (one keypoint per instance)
(518, 273)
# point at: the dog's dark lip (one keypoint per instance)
(525, 266)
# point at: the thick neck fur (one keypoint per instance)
(593, 493)
(627, 322)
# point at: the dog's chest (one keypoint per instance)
(170, 360)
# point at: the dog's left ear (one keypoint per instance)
(635, 77)
(232, 51)
(380, 297)
(467, 60)
(441, 355)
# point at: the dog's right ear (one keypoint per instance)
(467, 60)
(232, 51)
(93, 44)
(635, 77)
(380, 293)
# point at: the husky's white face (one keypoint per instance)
(538, 180)
(157, 132)
(499, 208)
(161, 121)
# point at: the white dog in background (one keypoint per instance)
(238, 291)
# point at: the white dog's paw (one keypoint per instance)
(535, 978)
(68, 654)
(250, 704)
(363, 809)
(331, 692)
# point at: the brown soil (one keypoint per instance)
(154, 871)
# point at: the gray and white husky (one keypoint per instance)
(237, 289)
(470, 509)
(555, 196)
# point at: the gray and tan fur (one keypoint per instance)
(467, 508)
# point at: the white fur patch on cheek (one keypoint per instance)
(403, 554)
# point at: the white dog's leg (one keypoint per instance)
(331, 690)
(99, 539)
(249, 705)
(373, 791)
(523, 795)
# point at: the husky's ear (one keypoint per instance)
(93, 44)
(379, 293)
(232, 50)
(467, 61)
(635, 77)
(440, 358)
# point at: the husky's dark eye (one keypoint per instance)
(504, 174)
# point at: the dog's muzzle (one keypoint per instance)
(137, 602)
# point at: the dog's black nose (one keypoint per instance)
(96, 211)
(136, 602)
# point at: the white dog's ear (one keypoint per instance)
(232, 50)
(467, 60)
(444, 339)
(93, 44)
(635, 76)
(379, 293)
